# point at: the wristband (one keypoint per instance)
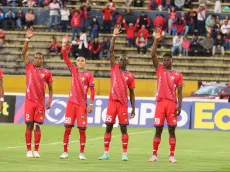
(114, 35)
(91, 104)
(1, 99)
(27, 39)
(50, 100)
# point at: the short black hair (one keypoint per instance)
(39, 53)
(167, 55)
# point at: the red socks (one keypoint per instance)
(156, 143)
(66, 139)
(107, 139)
(172, 145)
(28, 135)
(37, 138)
(125, 140)
(82, 140)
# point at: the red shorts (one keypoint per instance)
(34, 112)
(165, 109)
(75, 112)
(115, 108)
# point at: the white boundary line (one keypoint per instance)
(74, 141)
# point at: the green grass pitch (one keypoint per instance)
(195, 151)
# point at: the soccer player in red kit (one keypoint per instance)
(76, 108)
(167, 105)
(1, 90)
(36, 79)
(121, 80)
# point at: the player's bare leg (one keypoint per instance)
(125, 140)
(82, 143)
(37, 138)
(172, 144)
(28, 136)
(107, 139)
(66, 139)
(156, 143)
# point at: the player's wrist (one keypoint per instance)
(1, 99)
(91, 104)
(50, 100)
(27, 39)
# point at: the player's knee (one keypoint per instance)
(159, 131)
(37, 127)
(30, 126)
(109, 128)
(123, 129)
(171, 131)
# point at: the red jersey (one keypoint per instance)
(1, 75)
(36, 80)
(167, 82)
(120, 82)
(81, 81)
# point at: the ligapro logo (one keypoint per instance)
(56, 114)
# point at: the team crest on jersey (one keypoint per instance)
(124, 113)
(40, 111)
(82, 78)
(126, 78)
(42, 75)
(83, 123)
(174, 121)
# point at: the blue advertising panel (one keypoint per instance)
(144, 110)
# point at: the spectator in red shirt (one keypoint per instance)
(160, 21)
(111, 5)
(95, 49)
(76, 23)
(172, 19)
(130, 32)
(107, 17)
(85, 8)
(144, 20)
(2, 38)
(144, 31)
(54, 47)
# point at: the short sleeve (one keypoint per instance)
(159, 68)
(49, 77)
(1, 75)
(29, 65)
(114, 66)
(180, 80)
(132, 82)
(91, 80)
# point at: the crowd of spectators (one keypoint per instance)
(209, 32)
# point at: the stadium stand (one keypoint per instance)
(206, 68)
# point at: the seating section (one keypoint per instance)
(192, 68)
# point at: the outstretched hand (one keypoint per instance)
(29, 32)
(157, 33)
(117, 30)
(65, 40)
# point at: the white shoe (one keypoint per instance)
(172, 159)
(82, 156)
(36, 154)
(29, 154)
(153, 159)
(64, 155)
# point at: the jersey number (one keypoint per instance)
(108, 119)
(27, 117)
(67, 120)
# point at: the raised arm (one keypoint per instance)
(157, 37)
(29, 34)
(65, 52)
(116, 31)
